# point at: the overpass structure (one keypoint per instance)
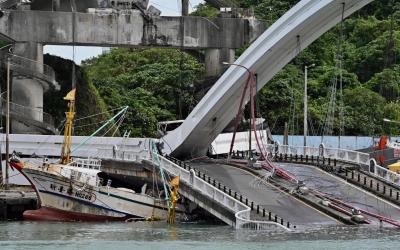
(30, 25)
(276, 47)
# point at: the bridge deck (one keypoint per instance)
(264, 194)
(339, 188)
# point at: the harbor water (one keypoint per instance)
(112, 236)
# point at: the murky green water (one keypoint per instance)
(32, 235)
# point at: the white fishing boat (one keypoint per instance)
(71, 190)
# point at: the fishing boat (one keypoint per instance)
(71, 189)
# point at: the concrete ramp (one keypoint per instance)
(275, 48)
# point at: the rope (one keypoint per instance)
(97, 114)
(157, 161)
(98, 130)
(90, 124)
(119, 124)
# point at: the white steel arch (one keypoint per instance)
(275, 48)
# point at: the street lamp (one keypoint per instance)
(305, 102)
(238, 65)
(250, 75)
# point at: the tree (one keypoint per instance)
(363, 112)
(157, 85)
(391, 111)
(205, 10)
(387, 83)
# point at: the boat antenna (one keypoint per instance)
(66, 147)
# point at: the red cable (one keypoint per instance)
(253, 122)
(239, 114)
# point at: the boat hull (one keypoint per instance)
(62, 199)
(53, 214)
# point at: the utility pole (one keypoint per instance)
(7, 125)
(305, 102)
(286, 134)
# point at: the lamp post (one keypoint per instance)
(305, 102)
(250, 75)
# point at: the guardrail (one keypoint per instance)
(333, 153)
(241, 210)
(26, 66)
(366, 163)
(28, 112)
(382, 173)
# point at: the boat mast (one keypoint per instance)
(66, 147)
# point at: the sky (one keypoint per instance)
(168, 8)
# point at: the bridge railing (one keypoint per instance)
(366, 163)
(242, 222)
(28, 112)
(242, 211)
(34, 68)
(382, 173)
(333, 153)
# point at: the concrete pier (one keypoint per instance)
(27, 91)
(214, 59)
(13, 203)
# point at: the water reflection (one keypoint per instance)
(15, 231)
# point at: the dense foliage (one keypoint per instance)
(88, 102)
(156, 84)
(161, 84)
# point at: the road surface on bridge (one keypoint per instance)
(265, 194)
(316, 178)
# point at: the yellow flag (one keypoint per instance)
(70, 96)
(175, 182)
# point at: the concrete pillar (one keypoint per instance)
(56, 5)
(27, 91)
(214, 59)
(185, 7)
